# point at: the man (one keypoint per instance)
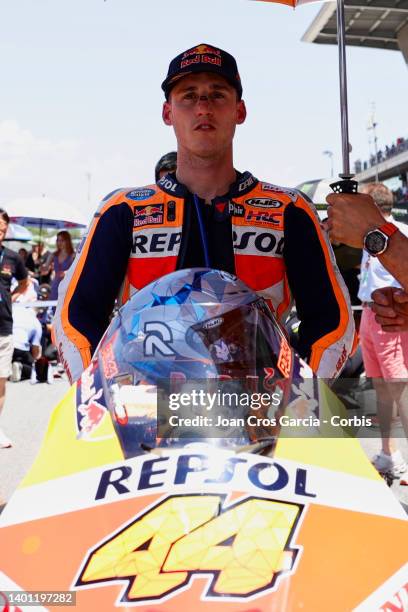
(207, 214)
(167, 164)
(11, 266)
(38, 263)
(27, 334)
(385, 354)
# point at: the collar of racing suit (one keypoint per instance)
(242, 185)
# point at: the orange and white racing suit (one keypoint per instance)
(272, 241)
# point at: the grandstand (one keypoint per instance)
(380, 24)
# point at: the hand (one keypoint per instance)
(351, 216)
(44, 269)
(391, 308)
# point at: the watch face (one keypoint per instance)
(375, 242)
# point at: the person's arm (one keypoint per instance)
(87, 294)
(35, 339)
(395, 258)
(20, 288)
(21, 275)
(48, 266)
(326, 332)
(351, 216)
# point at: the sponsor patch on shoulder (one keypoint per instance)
(264, 203)
(152, 214)
(289, 192)
(140, 194)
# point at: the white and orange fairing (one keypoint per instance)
(314, 528)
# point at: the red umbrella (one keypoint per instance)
(345, 185)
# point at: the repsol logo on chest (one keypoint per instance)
(264, 216)
(155, 243)
(255, 243)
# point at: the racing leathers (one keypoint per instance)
(269, 236)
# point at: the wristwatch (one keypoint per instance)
(376, 241)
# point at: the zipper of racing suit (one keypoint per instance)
(203, 233)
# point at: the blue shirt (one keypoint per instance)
(27, 329)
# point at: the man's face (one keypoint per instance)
(3, 229)
(204, 110)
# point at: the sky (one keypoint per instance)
(80, 102)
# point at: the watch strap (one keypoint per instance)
(388, 229)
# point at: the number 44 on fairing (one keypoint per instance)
(243, 547)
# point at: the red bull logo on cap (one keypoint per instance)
(201, 54)
(200, 49)
(152, 214)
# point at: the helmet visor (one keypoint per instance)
(231, 367)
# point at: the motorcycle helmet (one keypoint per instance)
(192, 329)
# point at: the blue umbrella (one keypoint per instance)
(18, 232)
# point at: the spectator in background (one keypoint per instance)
(38, 258)
(23, 254)
(30, 294)
(11, 265)
(385, 354)
(27, 334)
(45, 316)
(60, 263)
(166, 164)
